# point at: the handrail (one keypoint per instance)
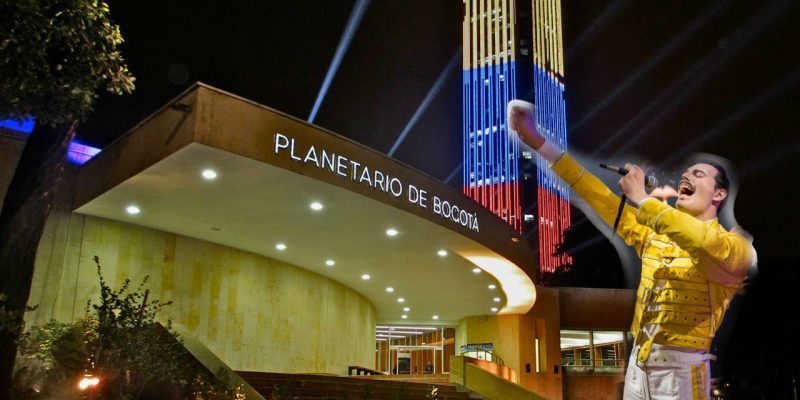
(493, 357)
(595, 362)
(363, 370)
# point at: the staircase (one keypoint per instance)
(309, 386)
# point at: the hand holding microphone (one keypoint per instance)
(650, 181)
(633, 184)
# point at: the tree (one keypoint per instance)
(54, 56)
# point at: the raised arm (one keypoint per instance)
(521, 119)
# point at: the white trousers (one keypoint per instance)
(670, 374)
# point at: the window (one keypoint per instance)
(587, 351)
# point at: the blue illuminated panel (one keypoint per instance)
(491, 157)
(77, 154)
(26, 126)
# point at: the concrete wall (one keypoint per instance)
(587, 308)
(596, 387)
(544, 323)
(514, 338)
(253, 312)
(487, 384)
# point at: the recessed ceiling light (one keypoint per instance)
(209, 174)
(406, 309)
(280, 246)
(400, 300)
(492, 287)
(494, 309)
(496, 299)
(476, 270)
(365, 277)
(435, 317)
(391, 232)
(442, 253)
(404, 316)
(132, 210)
(330, 263)
(316, 206)
(390, 289)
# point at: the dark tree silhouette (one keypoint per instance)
(54, 56)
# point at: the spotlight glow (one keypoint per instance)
(435, 317)
(401, 300)
(406, 309)
(132, 210)
(365, 277)
(437, 86)
(492, 287)
(316, 206)
(88, 381)
(442, 253)
(404, 316)
(209, 174)
(390, 289)
(494, 309)
(391, 232)
(496, 299)
(280, 246)
(476, 270)
(330, 263)
(344, 43)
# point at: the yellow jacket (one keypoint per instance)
(691, 269)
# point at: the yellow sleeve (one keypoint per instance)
(603, 201)
(724, 256)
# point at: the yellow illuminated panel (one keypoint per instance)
(548, 41)
(488, 33)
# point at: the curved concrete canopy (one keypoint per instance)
(270, 169)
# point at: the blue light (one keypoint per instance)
(77, 153)
(491, 156)
(344, 44)
(80, 154)
(551, 116)
(26, 126)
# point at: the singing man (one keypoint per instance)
(691, 266)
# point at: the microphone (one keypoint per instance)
(650, 181)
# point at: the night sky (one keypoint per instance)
(648, 81)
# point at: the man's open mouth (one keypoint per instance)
(685, 188)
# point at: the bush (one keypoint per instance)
(119, 342)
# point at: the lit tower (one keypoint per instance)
(514, 50)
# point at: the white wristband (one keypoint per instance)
(550, 152)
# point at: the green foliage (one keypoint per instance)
(55, 55)
(52, 356)
(131, 353)
(10, 320)
(120, 342)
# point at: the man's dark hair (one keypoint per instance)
(721, 181)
